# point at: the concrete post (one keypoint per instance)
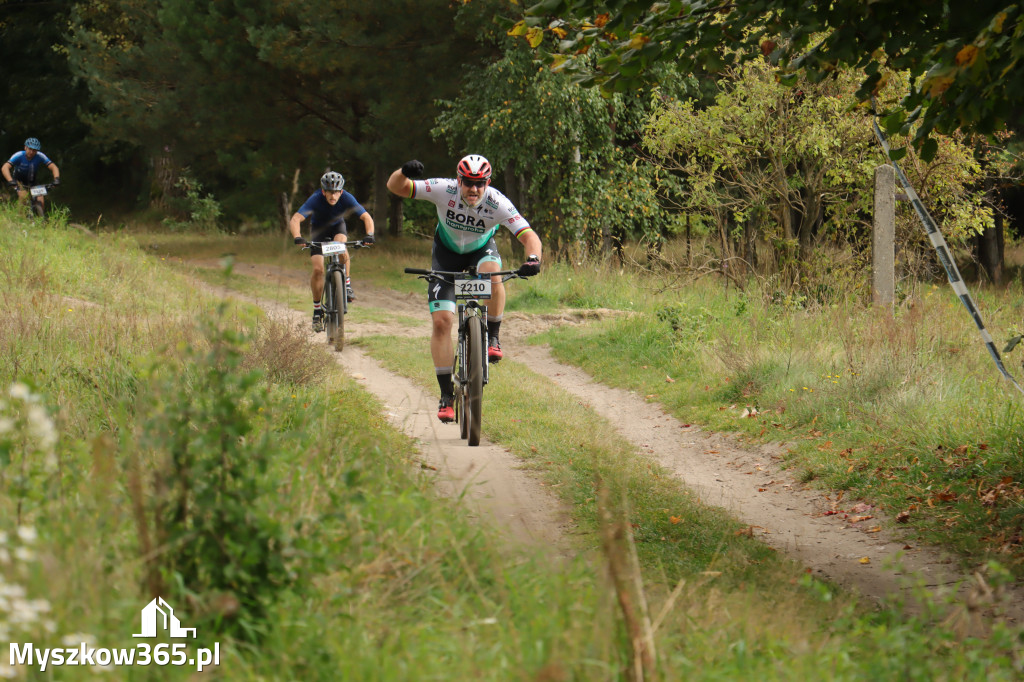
(883, 250)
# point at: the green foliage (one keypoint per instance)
(782, 171)
(202, 210)
(208, 499)
(28, 456)
(961, 57)
(245, 93)
(583, 186)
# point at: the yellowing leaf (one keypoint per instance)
(518, 30)
(560, 32)
(638, 41)
(997, 22)
(534, 36)
(558, 61)
(865, 560)
(938, 85)
(966, 55)
(601, 20)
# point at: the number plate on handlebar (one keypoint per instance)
(473, 288)
(333, 247)
(38, 191)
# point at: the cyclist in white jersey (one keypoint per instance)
(469, 213)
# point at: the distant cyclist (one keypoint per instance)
(327, 211)
(23, 166)
(469, 213)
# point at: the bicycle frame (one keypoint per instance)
(470, 374)
(335, 295)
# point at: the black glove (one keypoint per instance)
(56, 181)
(300, 240)
(13, 184)
(368, 239)
(530, 268)
(412, 169)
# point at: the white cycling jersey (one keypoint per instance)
(463, 228)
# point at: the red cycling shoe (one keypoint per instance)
(445, 411)
(494, 353)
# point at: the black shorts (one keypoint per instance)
(27, 180)
(441, 296)
(326, 234)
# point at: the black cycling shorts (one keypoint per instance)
(441, 296)
(326, 234)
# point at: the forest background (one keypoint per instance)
(757, 136)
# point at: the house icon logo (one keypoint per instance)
(158, 614)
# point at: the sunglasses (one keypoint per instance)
(474, 183)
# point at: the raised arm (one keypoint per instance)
(400, 183)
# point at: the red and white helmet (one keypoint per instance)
(474, 167)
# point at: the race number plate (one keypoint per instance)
(38, 191)
(333, 247)
(473, 288)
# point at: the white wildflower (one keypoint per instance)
(77, 639)
(7, 671)
(22, 613)
(27, 534)
(41, 426)
(19, 391)
(12, 591)
(6, 425)
(40, 605)
(3, 538)
(5, 556)
(24, 554)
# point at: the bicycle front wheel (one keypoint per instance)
(475, 385)
(37, 209)
(329, 305)
(339, 317)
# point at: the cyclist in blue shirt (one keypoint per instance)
(327, 211)
(22, 167)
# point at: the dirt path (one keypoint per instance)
(867, 556)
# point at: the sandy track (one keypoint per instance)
(746, 481)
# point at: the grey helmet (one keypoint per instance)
(332, 182)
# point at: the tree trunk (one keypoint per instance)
(394, 215)
(990, 253)
(380, 191)
(163, 178)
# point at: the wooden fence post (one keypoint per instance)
(883, 250)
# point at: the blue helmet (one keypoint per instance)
(33, 143)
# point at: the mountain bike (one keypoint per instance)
(471, 371)
(37, 208)
(335, 297)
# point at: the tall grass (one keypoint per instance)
(902, 407)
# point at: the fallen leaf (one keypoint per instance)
(876, 529)
(903, 517)
(858, 519)
(669, 380)
(674, 519)
(865, 560)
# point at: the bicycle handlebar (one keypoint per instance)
(358, 244)
(440, 274)
(47, 185)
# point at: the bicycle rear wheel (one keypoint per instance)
(339, 317)
(475, 386)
